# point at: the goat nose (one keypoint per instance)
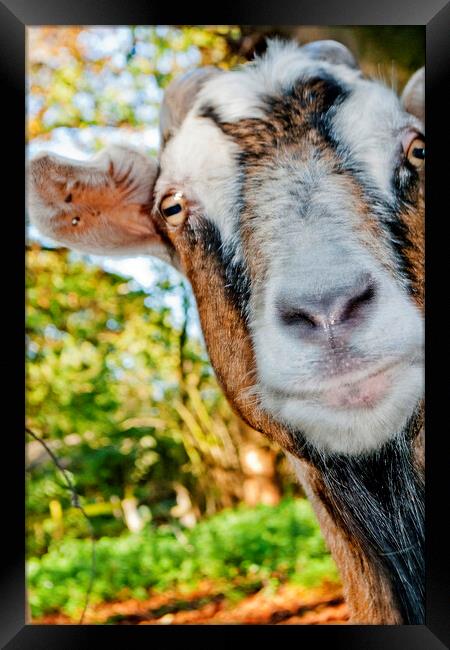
(343, 307)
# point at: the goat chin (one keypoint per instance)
(354, 428)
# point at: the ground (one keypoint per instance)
(287, 605)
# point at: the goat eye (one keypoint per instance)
(75, 221)
(415, 151)
(174, 209)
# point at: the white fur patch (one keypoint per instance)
(202, 161)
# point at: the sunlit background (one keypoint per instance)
(196, 517)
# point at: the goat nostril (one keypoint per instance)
(297, 316)
(354, 304)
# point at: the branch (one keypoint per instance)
(75, 499)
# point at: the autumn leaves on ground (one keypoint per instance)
(288, 605)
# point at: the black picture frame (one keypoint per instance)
(15, 16)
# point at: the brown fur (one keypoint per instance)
(414, 219)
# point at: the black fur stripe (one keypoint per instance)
(236, 278)
(379, 500)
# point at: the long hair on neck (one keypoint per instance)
(379, 499)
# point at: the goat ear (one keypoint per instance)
(102, 206)
(413, 95)
(330, 51)
(179, 98)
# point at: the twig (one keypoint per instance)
(75, 500)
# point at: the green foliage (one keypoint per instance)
(263, 545)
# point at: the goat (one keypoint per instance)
(290, 192)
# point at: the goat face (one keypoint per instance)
(303, 180)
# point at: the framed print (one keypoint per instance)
(226, 265)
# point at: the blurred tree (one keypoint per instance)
(112, 77)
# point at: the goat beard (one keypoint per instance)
(379, 499)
